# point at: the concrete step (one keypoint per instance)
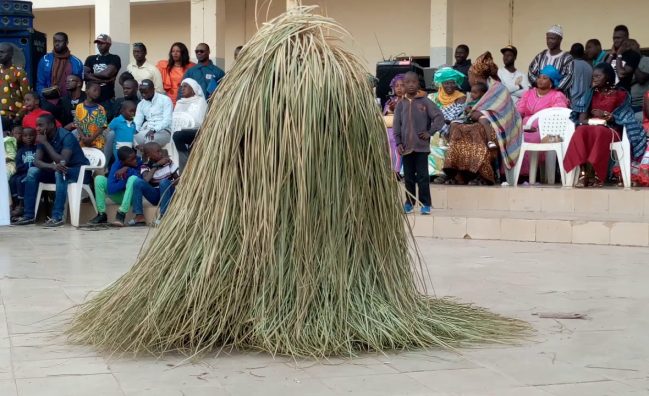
(546, 199)
(507, 225)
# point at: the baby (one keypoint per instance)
(477, 92)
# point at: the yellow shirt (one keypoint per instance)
(146, 72)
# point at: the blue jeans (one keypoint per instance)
(35, 176)
(155, 195)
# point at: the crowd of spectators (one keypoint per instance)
(74, 106)
(486, 111)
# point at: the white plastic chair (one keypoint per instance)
(622, 150)
(180, 120)
(97, 161)
(553, 121)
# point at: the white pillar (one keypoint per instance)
(113, 17)
(208, 26)
(291, 4)
(441, 33)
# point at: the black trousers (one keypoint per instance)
(415, 172)
(183, 140)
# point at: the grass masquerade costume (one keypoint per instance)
(290, 240)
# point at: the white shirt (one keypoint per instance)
(509, 80)
(146, 72)
(157, 113)
(195, 106)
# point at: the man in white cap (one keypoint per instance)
(102, 69)
(556, 57)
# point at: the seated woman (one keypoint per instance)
(450, 100)
(193, 103)
(606, 112)
(543, 96)
(493, 118)
(388, 111)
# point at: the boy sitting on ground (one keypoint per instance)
(118, 185)
(157, 185)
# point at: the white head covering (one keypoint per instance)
(556, 29)
(196, 106)
(198, 91)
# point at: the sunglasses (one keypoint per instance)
(199, 51)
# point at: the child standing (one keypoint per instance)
(24, 160)
(416, 119)
(11, 146)
(33, 110)
(157, 185)
(119, 186)
(123, 126)
(90, 120)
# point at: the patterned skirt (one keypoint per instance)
(468, 151)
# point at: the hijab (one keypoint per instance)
(196, 106)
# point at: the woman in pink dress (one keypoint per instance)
(543, 96)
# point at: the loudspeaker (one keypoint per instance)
(385, 72)
(16, 15)
(29, 48)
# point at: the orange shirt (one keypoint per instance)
(171, 79)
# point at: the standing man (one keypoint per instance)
(515, 81)
(462, 64)
(58, 160)
(102, 69)
(594, 53)
(153, 116)
(14, 84)
(583, 76)
(142, 70)
(55, 67)
(205, 73)
(556, 57)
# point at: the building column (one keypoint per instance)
(113, 17)
(441, 33)
(291, 4)
(208, 26)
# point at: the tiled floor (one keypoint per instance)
(45, 272)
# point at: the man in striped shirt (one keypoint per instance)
(556, 57)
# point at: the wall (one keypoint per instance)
(486, 24)
(158, 26)
(81, 33)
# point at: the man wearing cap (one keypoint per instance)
(143, 70)
(556, 57)
(55, 68)
(103, 68)
(153, 116)
(514, 79)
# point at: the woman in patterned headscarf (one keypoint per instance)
(492, 119)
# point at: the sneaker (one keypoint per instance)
(425, 210)
(407, 208)
(101, 218)
(23, 221)
(17, 212)
(52, 223)
(120, 219)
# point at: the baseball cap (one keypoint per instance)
(509, 48)
(103, 38)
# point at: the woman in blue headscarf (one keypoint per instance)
(544, 96)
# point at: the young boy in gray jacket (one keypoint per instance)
(416, 119)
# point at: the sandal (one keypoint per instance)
(596, 183)
(439, 180)
(133, 223)
(582, 182)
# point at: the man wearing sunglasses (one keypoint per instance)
(206, 73)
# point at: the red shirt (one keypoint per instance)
(29, 120)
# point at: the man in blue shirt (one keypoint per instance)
(206, 73)
(59, 158)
